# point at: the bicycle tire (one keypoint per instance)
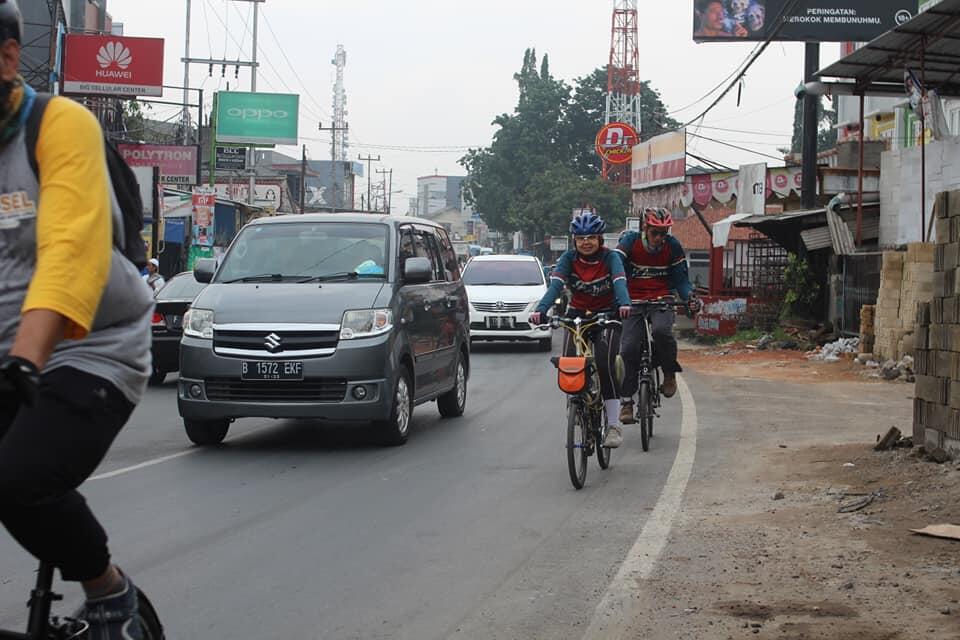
(646, 415)
(150, 624)
(577, 445)
(599, 432)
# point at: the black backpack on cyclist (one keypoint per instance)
(125, 185)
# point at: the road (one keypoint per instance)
(310, 530)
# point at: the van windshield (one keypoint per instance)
(307, 251)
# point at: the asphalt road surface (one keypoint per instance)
(312, 530)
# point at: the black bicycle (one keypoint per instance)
(42, 626)
(648, 401)
(579, 378)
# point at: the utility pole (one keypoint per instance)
(369, 160)
(387, 190)
(303, 181)
(334, 129)
(186, 80)
(808, 191)
(253, 64)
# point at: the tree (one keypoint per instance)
(826, 128)
(541, 163)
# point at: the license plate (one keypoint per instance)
(500, 322)
(266, 370)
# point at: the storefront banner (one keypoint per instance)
(660, 160)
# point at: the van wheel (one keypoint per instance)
(157, 376)
(395, 429)
(453, 403)
(206, 432)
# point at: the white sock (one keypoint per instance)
(613, 412)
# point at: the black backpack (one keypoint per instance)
(125, 185)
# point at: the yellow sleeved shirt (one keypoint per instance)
(74, 219)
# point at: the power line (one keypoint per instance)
(755, 133)
(290, 64)
(753, 58)
(727, 144)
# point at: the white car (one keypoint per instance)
(503, 291)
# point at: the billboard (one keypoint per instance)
(615, 142)
(231, 158)
(257, 118)
(809, 20)
(178, 164)
(204, 201)
(113, 65)
(660, 160)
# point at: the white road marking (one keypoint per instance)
(172, 456)
(615, 606)
(143, 465)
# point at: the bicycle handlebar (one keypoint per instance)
(601, 319)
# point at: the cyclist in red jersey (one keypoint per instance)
(656, 267)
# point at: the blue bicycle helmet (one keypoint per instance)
(587, 224)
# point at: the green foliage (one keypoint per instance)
(826, 135)
(541, 163)
(802, 289)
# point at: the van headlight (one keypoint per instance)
(198, 323)
(365, 323)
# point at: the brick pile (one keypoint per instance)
(906, 278)
(936, 407)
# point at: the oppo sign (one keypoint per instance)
(257, 118)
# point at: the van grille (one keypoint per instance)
(310, 390)
(253, 341)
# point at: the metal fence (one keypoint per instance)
(861, 285)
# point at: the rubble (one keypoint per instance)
(832, 351)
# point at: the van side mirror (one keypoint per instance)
(203, 270)
(417, 270)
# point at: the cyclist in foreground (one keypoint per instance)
(596, 277)
(656, 266)
(74, 352)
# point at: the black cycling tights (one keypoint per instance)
(46, 452)
(606, 347)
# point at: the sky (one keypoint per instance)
(425, 78)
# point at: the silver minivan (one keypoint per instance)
(345, 317)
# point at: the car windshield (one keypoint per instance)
(306, 252)
(525, 273)
(181, 287)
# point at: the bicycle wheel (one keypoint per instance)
(577, 453)
(149, 620)
(645, 410)
(599, 433)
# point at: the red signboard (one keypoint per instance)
(720, 316)
(615, 142)
(113, 65)
(178, 165)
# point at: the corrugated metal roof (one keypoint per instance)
(930, 41)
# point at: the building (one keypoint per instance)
(440, 198)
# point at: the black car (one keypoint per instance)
(172, 302)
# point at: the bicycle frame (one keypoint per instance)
(41, 601)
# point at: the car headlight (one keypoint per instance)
(365, 323)
(198, 323)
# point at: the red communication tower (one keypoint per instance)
(623, 79)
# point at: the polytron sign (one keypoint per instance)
(113, 65)
(615, 142)
(257, 118)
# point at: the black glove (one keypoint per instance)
(19, 380)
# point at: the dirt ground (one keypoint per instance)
(760, 549)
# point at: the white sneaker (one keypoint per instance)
(614, 437)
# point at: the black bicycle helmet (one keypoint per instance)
(11, 22)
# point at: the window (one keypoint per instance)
(519, 273)
(429, 242)
(449, 256)
(699, 264)
(299, 249)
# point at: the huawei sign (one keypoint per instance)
(113, 65)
